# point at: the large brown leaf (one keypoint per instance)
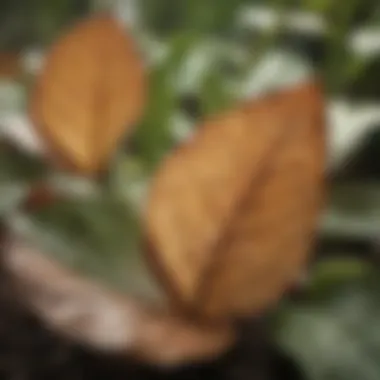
(232, 212)
(90, 93)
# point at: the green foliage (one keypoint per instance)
(208, 57)
(202, 15)
(334, 332)
(154, 136)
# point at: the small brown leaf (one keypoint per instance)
(91, 91)
(10, 65)
(232, 212)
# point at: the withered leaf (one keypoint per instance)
(90, 93)
(10, 65)
(232, 212)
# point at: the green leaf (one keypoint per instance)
(216, 94)
(99, 238)
(336, 335)
(207, 16)
(17, 172)
(154, 136)
(18, 166)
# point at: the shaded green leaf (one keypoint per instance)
(336, 335)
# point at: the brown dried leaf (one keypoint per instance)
(90, 93)
(232, 212)
(10, 65)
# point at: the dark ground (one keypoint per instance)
(28, 351)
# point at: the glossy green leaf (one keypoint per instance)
(336, 335)
(97, 237)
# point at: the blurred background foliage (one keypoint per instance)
(204, 56)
